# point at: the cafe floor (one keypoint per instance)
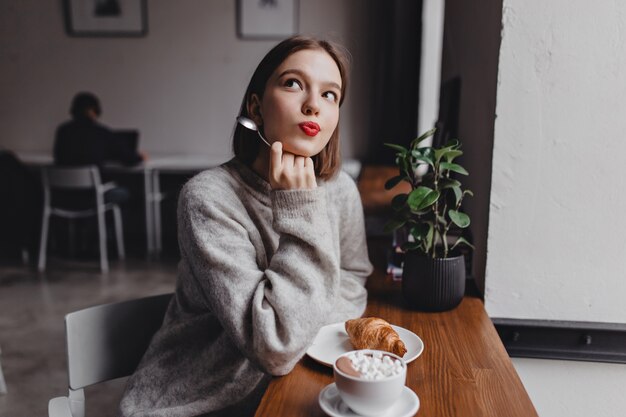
(32, 335)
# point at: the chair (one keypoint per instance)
(80, 178)
(106, 342)
(352, 167)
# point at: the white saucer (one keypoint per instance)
(332, 341)
(331, 403)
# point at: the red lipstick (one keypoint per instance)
(310, 128)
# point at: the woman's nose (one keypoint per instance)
(310, 106)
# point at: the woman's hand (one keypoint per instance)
(289, 171)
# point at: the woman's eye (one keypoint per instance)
(330, 95)
(293, 83)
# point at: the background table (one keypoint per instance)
(463, 371)
(150, 170)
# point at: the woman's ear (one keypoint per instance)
(254, 109)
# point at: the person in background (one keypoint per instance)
(85, 141)
(272, 247)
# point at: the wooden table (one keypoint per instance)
(463, 371)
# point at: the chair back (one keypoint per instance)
(72, 177)
(108, 341)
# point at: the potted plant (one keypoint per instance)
(433, 277)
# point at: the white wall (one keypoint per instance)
(181, 85)
(573, 389)
(556, 247)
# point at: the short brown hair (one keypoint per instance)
(82, 102)
(246, 143)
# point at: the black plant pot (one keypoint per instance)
(433, 284)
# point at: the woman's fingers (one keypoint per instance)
(276, 155)
(308, 165)
(299, 162)
(289, 171)
(287, 162)
(309, 169)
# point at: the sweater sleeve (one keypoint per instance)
(271, 315)
(355, 264)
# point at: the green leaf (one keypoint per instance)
(460, 219)
(417, 152)
(417, 195)
(409, 246)
(440, 152)
(453, 144)
(461, 241)
(399, 201)
(419, 232)
(425, 159)
(422, 197)
(403, 164)
(429, 238)
(429, 200)
(449, 183)
(398, 148)
(393, 224)
(393, 181)
(452, 154)
(422, 155)
(422, 137)
(429, 153)
(468, 192)
(453, 167)
(458, 194)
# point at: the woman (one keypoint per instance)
(272, 246)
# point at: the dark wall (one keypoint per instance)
(471, 45)
(395, 42)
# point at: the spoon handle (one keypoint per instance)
(263, 139)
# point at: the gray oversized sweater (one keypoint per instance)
(261, 272)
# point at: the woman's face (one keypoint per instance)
(300, 105)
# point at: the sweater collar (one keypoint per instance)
(259, 187)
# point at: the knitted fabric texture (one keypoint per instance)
(261, 272)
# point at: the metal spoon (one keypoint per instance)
(249, 124)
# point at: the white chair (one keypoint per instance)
(80, 178)
(352, 167)
(106, 342)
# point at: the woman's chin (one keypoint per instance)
(301, 151)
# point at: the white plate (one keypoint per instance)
(330, 401)
(332, 341)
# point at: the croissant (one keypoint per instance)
(374, 333)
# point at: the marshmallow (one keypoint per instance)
(375, 365)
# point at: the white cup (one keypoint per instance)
(370, 397)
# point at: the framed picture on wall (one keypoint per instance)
(267, 19)
(106, 17)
